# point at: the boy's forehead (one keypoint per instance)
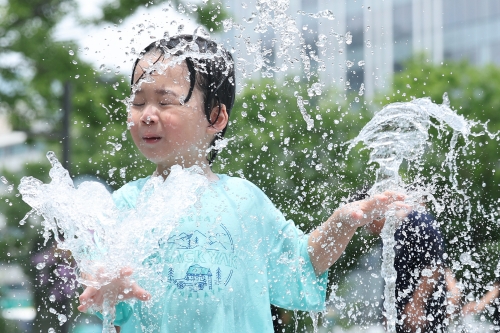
(154, 64)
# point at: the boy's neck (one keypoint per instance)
(164, 171)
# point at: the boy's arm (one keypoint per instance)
(329, 240)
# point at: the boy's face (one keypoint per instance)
(166, 131)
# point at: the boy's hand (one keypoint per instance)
(328, 241)
(119, 289)
(359, 213)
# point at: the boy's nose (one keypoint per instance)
(149, 116)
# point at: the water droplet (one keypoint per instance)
(62, 319)
(368, 43)
(51, 330)
(322, 39)
(361, 63)
(111, 171)
(74, 62)
(4, 180)
(51, 156)
(296, 79)
(52, 298)
(348, 38)
(40, 265)
(71, 52)
(349, 63)
(202, 32)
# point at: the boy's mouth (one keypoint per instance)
(151, 139)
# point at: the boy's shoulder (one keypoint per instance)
(134, 185)
(238, 183)
(241, 187)
(126, 196)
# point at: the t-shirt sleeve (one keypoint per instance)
(123, 312)
(125, 198)
(293, 283)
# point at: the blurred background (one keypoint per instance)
(311, 74)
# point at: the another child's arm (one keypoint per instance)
(453, 293)
(328, 241)
(476, 307)
(414, 315)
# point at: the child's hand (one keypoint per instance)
(328, 241)
(119, 289)
(470, 309)
(359, 213)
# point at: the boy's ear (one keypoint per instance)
(218, 119)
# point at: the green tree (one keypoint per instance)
(209, 13)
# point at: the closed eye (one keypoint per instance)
(168, 102)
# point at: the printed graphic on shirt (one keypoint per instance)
(210, 255)
(197, 278)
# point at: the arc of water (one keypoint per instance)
(399, 132)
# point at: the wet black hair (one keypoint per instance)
(214, 75)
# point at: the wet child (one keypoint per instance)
(234, 253)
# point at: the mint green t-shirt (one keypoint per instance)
(227, 260)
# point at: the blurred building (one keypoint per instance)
(355, 42)
(14, 152)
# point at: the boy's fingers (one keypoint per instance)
(87, 294)
(126, 271)
(86, 299)
(140, 293)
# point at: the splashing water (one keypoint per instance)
(102, 239)
(399, 132)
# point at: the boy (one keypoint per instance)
(233, 253)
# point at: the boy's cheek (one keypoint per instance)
(130, 123)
